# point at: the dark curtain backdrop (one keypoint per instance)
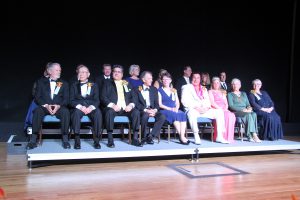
(247, 39)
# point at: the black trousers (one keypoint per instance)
(134, 116)
(40, 112)
(95, 116)
(159, 121)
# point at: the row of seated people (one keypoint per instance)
(255, 109)
(118, 98)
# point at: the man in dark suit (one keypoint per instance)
(118, 98)
(147, 103)
(185, 79)
(52, 98)
(84, 100)
(106, 76)
(223, 81)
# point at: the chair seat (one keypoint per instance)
(53, 118)
(204, 120)
(121, 119)
(85, 119)
(151, 120)
(238, 120)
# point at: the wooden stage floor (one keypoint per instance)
(249, 175)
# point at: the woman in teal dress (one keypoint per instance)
(239, 104)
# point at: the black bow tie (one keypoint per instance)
(52, 80)
(81, 84)
(146, 89)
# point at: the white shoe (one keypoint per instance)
(197, 139)
(255, 138)
(222, 140)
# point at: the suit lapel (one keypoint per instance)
(78, 89)
(47, 87)
(150, 98)
(115, 87)
(185, 81)
(141, 97)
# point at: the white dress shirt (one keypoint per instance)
(145, 94)
(187, 79)
(52, 88)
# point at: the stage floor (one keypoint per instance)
(51, 149)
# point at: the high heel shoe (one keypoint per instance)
(256, 138)
(184, 143)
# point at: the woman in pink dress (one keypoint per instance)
(218, 100)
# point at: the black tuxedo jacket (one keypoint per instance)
(43, 93)
(109, 93)
(179, 83)
(100, 81)
(76, 97)
(141, 102)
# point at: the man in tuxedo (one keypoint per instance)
(106, 76)
(84, 100)
(147, 104)
(118, 98)
(52, 98)
(185, 79)
(222, 77)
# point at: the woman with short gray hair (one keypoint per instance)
(269, 120)
(239, 104)
(134, 80)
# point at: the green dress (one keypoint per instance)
(236, 104)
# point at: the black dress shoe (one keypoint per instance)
(66, 145)
(31, 145)
(77, 145)
(184, 143)
(111, 144)
(149, 140)
(97, 145)
(137, 143)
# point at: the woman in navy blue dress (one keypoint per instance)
(268, 119)
(169, 105)
(134, 80)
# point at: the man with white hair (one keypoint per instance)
(52, 98)
(84, 100)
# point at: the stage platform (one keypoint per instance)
(51, 149)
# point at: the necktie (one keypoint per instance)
(146, 89)
(52, 80)
(81, 84)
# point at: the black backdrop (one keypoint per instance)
(247, 39)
